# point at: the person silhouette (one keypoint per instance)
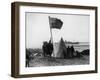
(45, 48)
(50, 48)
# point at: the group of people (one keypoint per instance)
(47, 48)
(70, 51)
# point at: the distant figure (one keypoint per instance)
(44, 48)
(50, 48)
(28, 53)
(68, 52)
(72, 51)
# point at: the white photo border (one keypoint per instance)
(55, 69)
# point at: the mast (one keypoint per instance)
(51, 34)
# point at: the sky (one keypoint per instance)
(75, 28)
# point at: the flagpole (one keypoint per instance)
(51, 35)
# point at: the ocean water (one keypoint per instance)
(81, 47)
(78, 47)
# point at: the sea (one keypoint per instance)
(80, 46)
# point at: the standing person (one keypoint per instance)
(45, 48)
(28, 53)
(72, 51)
(50, 48)
(68, 52)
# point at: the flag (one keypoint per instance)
(55, 23)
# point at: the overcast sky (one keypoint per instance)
(75, 28)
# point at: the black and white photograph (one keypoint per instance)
(57, 39)
(52, 39)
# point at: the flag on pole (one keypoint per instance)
(55, 23)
